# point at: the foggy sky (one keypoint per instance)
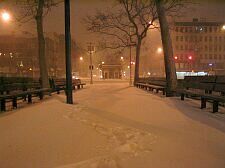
(212, 10)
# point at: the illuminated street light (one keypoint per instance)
(121, 58)
(81, 58)
(21, 64)
(223, 28)
(103, 62)
(159, 50)
(175, 57)
(5, 16)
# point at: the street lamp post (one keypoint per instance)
(91, 50)
(130, 68)
(69, 91)
(130, 33)
(160, 51)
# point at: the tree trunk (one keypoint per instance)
(137, 60)
(170, 69)
(41, 46)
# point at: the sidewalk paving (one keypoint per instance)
(112, 126)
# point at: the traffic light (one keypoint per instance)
(190, 57)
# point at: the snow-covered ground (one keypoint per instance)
(112, 126)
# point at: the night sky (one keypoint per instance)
(211, 10)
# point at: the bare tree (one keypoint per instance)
(37, 9)
(117, 24)
(140, 15)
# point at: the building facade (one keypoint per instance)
(111, 71)
(19, 55)
(199, 47)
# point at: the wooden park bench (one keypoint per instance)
(152, 84)
(13, 89)
(207, 88)
(58, 84)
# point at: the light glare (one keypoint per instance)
(5, 16)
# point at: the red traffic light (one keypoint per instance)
(190, 57)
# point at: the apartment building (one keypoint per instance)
(199, 47)
(19, 55)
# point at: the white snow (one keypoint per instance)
(112, 126)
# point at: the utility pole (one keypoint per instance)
(69, 91)
(130, 67)
(91, 50)
(130, 33)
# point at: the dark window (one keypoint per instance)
(215, 38)
(181, 47)
(210, 38)
(210, 29)
(181, 29)
(181, 38)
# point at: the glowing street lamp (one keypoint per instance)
(175, 57)
(223, 27)
(159, 50)
(5, 16)
(81, 58)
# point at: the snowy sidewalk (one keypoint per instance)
(112, 126)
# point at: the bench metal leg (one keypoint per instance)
(157, 91)
(3, 106)
(14, 102)
(41, 95)
(24, 98)
(29, 98)
(182, 96)
(163, 91)
(215, 106)
(203, 103)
